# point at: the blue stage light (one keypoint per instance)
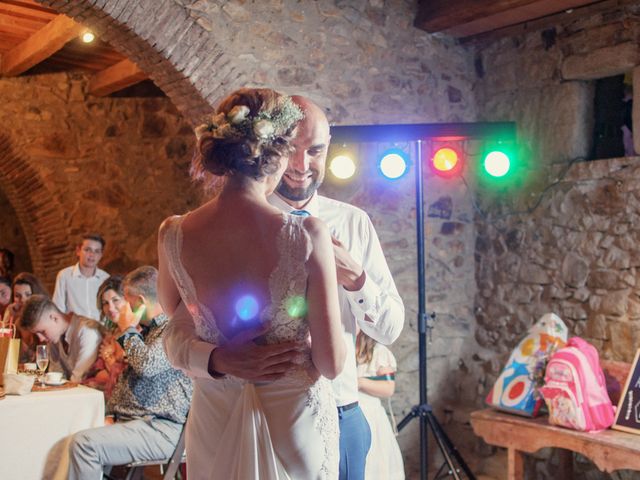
(393, 164)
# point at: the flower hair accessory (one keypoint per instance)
(263, 126)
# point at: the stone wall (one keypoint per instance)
(564, 239)
(117, 166)
(12, 235)
(363, 61)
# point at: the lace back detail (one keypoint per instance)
(288, 283)
(173, 249)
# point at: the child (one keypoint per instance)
(376, 380)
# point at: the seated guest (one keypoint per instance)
(111, 358)
(5, 293)
(77, 286)
(110, 301)
(149, 403)
(74, 339)
(24, 285)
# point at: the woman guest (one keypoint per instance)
(111, 360)
(24, 285)
(376, 381)
(5, 294)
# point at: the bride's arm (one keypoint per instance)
(328, 350)
(185, 350)
(167, 291)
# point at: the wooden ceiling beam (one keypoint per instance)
(121, 75)
(438, 15)
(30, 10)
(39, 46)
(548, 21)
(465, 18)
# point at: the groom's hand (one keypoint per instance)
(243, 358)
(350, 273)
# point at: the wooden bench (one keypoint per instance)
(610, 449)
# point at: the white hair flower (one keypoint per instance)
(238, 114)
(263, 128)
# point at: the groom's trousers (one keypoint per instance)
(355, 440)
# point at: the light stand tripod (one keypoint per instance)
(452, 458)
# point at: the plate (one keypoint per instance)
(56, 384)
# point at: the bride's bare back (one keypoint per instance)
(230, 251)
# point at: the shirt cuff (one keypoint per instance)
(199, 358)
(364, 299)
(127, 334)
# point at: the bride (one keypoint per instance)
(239, 265)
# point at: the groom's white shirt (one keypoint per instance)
(378, 300)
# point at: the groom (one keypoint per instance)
(368, 295)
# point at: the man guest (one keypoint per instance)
(77, 286)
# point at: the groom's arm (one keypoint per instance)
(186, 351)
(242, 357)
(368, 285)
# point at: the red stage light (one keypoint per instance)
(446, 162)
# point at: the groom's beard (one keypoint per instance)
(299, 194)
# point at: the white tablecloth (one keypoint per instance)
(35, 430)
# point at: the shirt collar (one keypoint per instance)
(77, 273)
(312, 206)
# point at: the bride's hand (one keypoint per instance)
(243, 358)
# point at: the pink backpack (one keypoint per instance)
(575, 390)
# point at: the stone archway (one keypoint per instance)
(173, 50)
(39, 214)
(164, 41)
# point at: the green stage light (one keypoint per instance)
(497, 163)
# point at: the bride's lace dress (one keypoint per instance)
(286, 429)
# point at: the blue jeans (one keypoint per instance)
(355, 440)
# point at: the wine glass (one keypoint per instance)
(42, 360)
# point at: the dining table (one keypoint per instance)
(36, 429)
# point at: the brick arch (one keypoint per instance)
(40, 216)
(164, 41)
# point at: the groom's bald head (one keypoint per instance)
(306, 168)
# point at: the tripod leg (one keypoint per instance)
(449, 451)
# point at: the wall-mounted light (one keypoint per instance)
(88, 37)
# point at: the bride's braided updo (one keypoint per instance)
(249, 133)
